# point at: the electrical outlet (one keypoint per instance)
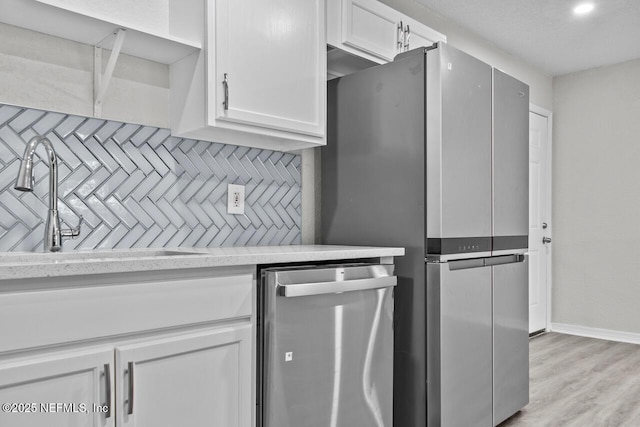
(235, 199)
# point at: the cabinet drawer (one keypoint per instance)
(41, 318)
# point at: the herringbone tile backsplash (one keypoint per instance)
(137, 186)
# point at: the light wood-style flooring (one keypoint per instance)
(581, 382)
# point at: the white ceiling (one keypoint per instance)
(547, 34)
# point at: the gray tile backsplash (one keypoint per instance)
(137, 186)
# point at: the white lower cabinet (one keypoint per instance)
(144, 353)
(193, 381)
(33, 390)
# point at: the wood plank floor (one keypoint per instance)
(581, 382)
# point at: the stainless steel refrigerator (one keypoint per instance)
(430, 152)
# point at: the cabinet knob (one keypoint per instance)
(546, 240)
(544, 225)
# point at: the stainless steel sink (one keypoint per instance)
(60, 257)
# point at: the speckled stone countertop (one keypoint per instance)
(23, 265)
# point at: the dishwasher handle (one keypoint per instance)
(318, 288)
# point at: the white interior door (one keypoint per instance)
(539, 220)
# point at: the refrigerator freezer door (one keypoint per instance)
(510, 337)
(510, 162)
(458, 152)
(465, 381)
(327, 357)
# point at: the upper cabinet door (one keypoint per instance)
(372, 27)
(264, 64)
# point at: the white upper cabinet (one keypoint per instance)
(373, 30)
(261, 79)
(159, 30)
(371, 27)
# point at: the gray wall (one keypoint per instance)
(596, 198)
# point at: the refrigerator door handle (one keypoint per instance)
(464, 264)
(318, 288)
(507, 259)
(484, 262)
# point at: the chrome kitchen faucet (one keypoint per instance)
(53, 234)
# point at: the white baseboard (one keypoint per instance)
(603, 334)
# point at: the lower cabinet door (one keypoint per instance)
(198, 380)
(58, 390)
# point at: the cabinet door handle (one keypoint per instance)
(400, 36)
(130, 401)
(107, 379)
(225, 84)
(407, 38)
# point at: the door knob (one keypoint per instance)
(546, 240)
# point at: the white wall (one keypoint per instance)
(54, 74)
(596, 198)
(540, 84)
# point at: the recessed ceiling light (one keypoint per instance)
(583, 8)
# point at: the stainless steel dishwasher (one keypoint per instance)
(325, 346)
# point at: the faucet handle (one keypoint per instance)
(74, 232)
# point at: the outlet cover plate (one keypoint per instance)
(235, 199)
